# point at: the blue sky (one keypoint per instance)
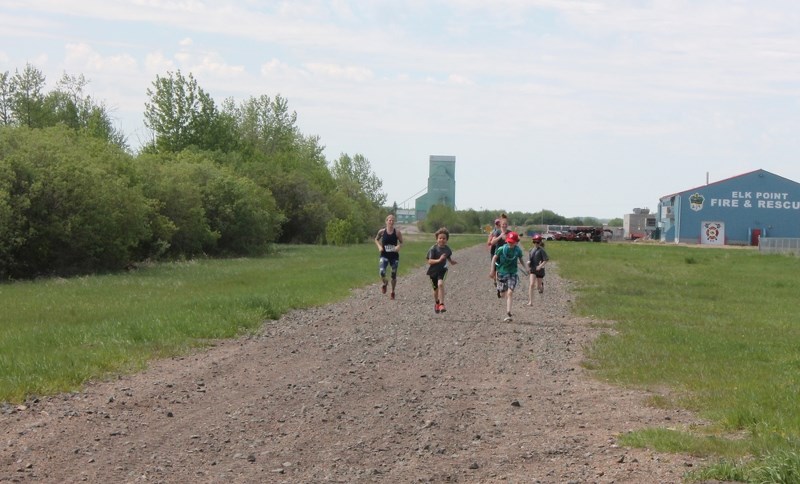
(586, 108)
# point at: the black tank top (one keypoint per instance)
(389, 242)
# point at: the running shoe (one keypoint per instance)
(391, 296)
(442, 308)
(383, 288)
(508, 318)
(437, 308)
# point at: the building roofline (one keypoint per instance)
(722, 181)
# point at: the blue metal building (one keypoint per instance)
(734, 211)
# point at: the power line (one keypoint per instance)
(412, 196)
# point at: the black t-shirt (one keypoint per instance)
(434, 253)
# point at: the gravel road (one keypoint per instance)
(364, 390)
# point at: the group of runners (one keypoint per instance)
(507, 257)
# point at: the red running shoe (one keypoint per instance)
(392, 296)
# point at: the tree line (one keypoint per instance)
(472, 221)
(215, 180)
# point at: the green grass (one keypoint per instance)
(57, 334)
(719, 328)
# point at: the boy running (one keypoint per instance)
(438, 257)
(504, 269)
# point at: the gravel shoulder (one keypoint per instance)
(364, 390)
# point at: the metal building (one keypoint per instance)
(734, 211)
(639, 225)
(441, 185)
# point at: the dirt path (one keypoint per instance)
(365, 390)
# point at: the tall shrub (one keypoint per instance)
(71, 203)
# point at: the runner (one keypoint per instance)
(504, 269)
(389, 240)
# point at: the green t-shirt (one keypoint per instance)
(507, 259)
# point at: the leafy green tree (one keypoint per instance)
(615, 222)
(68, 104)
(443, 216)
(266, 126)
(28, 99)
(361, 189)
(6, 99)
(471, 220)
(592, 221)
(355, 177)
(181, 114)
(275, 155)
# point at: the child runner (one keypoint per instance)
(537, 258)
(498, 238)
(492, 234)
(438, 257)
(498, 235)
(389, 240)
(504, 268)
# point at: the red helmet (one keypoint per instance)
(512, 237)
(536, 238)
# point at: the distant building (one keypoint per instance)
(406, 216)
(441, 185)
(735, 211)
(638, 225)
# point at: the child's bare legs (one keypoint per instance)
(441, 294)
(509, 295)
(530, 289)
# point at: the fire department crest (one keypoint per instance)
(696, 202)
(712, 231)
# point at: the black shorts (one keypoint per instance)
(436, 276)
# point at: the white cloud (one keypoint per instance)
(338, 72)
(82, 58)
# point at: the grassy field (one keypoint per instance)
(719, 328)
(716, 327)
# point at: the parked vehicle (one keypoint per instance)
(582, 234)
